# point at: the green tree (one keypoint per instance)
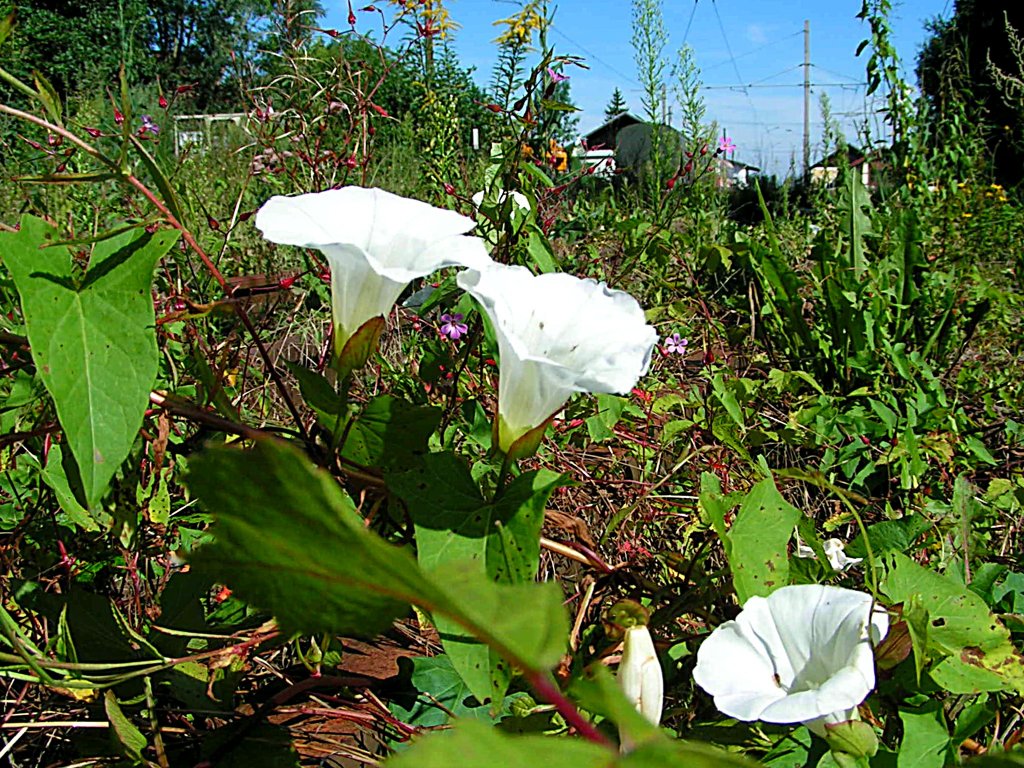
(959, 72)
(616, 105)
(80, 46)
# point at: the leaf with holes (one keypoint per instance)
(93, 340)
(970, 648)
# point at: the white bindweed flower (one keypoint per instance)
(640, 673)
(557, 335)
(804, 654)
(375, 242)
(835, 553)
(518, 199)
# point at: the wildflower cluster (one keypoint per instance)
(519, 28)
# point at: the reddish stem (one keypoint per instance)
(550, 692)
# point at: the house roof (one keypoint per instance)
(604, 135)
(740, 165)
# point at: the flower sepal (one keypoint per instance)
(852, 742)
(519, 446)
(358, 347)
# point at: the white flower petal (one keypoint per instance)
(640, 675)
(376, 243)
(518, 198)
(835, 551)
(557, 334)
(358, 293)
(803, 653)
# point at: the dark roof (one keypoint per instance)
(740, 164)
(604, 135)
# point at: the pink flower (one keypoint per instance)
(452, 326)
(674, 344)
(725, 144)
(556, 77)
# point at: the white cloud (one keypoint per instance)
(757, 34)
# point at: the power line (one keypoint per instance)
(752, 51)
(693, 12)
(725, 39)
(742, 87)
(836, 74)
(594, 56)
(728, 48)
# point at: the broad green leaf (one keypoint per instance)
(435, 692)
(454, 523)
(55, 475)
(99, 633)
(289, 540)
(93, 341)
(728, 399)
(128, 740)
(540, 251)
(759, 539)
(925, 737)
(318, 394)
(890, 536)
(390, 433)
(471, 744)
(975, 644)
(601, 426)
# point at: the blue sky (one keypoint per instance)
(749, 51)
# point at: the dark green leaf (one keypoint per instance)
(759, 539)
(288, 539)
(128, 740)
(925, 741)
(390, 433)
(454, 523)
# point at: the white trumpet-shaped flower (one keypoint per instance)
(375, 242)
(835, 553)
(557, 335)
(804, 654)
(520, 200)
(640, 675)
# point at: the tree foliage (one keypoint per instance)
(80, 46)
(958, 69)
(616, 105)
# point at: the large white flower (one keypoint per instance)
(804, 654)
(375, 242)
(557, 335)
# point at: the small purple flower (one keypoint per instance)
(726, 144)
(452, 326)
(148, 125)
(556, 77)
(674, 345)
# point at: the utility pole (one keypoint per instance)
(807, 97)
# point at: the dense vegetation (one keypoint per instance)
(242, 525)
